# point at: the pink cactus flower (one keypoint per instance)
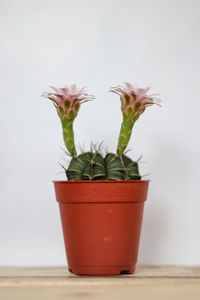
(134, 100)
(68, 99)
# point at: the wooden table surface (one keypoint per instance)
(52, 283)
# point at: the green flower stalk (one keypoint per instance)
(133, 103)
(67, 101)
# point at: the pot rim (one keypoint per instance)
(99, 181)
(101, 191)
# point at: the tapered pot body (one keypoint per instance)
(101, 223)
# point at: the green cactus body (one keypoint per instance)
(121, 168)
(92, 166)
(87, 166)
(114, 167)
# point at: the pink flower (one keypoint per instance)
(134, 100)
(68, 99)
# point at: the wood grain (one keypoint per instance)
(149, 282)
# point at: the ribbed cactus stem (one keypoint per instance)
(125, 134)
(68, 135)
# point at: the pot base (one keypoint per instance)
(102, 270)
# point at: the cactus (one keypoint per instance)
(67, 102)
(87, 166)
(121, 167)
(92, 165)
(133, 103)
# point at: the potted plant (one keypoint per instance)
(101, 203)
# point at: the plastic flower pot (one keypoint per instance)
(101, 223)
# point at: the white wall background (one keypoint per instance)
(99, 44)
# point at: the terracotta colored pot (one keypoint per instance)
(101, 223)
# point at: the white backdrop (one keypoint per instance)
(99, 44)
